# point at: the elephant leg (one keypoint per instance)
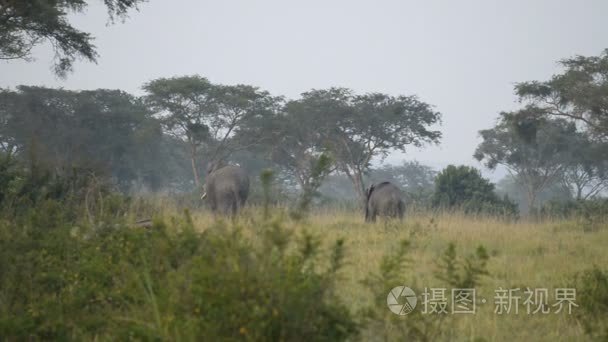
(212, 204)
(233, 207)
(222, 207)
(401, 210)
(230, 204)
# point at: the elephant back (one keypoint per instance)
(229, 179)
(384, 190)
(384, 199)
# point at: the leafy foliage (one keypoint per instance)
(457, 272)
(586, 168)
(462, 274)
(553, 192)
(63, 279)
(357, 128)
(535, 150)
(221, 119)
(384, 325)
(297, 142)
(463, 187)
(592, 291)
(416, 180)
(590, 215)
(25, 24)
(320, 170)
(580, 93)
(108, 132)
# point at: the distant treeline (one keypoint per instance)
(165, 139)
(321, 144)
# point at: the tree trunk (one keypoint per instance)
(531, 201)
(197, 181)
(357, 179)
(361, 188)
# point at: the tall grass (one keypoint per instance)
(523, 253)
(269, 276)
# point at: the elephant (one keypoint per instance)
(226, 189)
(383, 199)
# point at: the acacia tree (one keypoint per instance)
(586, 170)
(580, 93)
(357, 128)
(25, 24)
(220, 119)
(533, 150)
(184, 104)
(297, 142)
(240, 120)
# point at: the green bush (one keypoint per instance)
(453, 271)
(465, 189)
(66, 280)
(463, 273)
(588, 215)
(592, 298)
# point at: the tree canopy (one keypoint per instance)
(357, 128)
(410, 176)
(579, 93)
(108, 132)
(219, 119)
(535, 158)
(25, 24)
(585, 171)
(464, 188)
(297, 141)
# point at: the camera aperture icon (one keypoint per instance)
(401, 300)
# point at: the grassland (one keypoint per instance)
(192, 276)
(523, 254)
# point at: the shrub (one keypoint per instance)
(592, 298)
(462, 273)
(588, 215)
(454, 271)
(112, 281)
(464, 188)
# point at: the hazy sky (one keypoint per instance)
(463, 57)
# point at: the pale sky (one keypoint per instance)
(463, 57)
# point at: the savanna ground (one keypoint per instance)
(522, 254)
(74, 272)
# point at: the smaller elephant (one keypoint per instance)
(383, 199)
(226, 189)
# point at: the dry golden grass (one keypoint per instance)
(522, 254)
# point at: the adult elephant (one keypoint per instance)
(383, 199)
(226, 189)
